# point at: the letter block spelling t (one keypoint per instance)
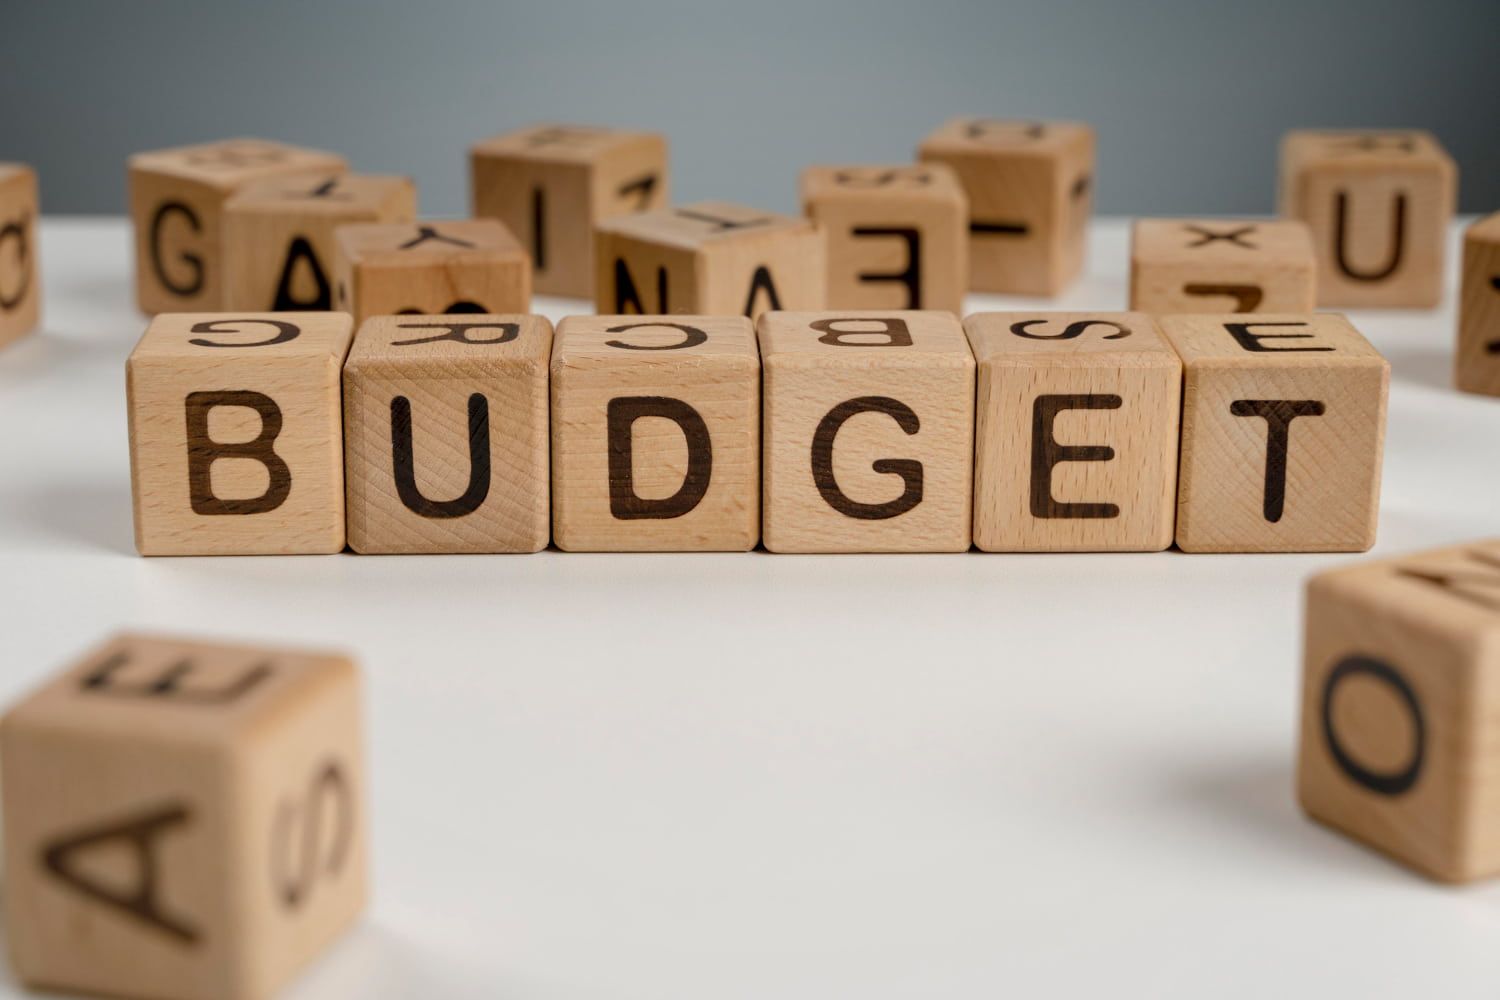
(869, 432)
(20, 283)
(236, 440)
(430, 268)
(1477, 363)
(1283, 427)
(183, 821)
(1201, 265)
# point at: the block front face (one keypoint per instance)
(1283, 428)
(236, 436)
(445, 434)
(869, 432)
(1205, 265)
(1478, 359)
(431, 268)
(20, 281)
(1076, 446)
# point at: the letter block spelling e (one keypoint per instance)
(1477, 361)
(1283, 428)
(183, 821)
(869, 432)
(20, 282)
(236, 439)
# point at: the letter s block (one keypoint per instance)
(183, 820)
(1206, 265)
(20, 282)
(1477, 363)
(236, 440)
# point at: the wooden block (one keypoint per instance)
(1229, 265)
(1477, 363)
(183, 821)
(656, 434)
(1030, 188)
(430, 268)
(1378, 204)
(279, 247)
(20, 271)
(445, 434)
(236, 440)
(869, 432)
(1283, 427)
(176, 206)
(898, 236)
(1400, 680)
(709, 258)
(552, 184)
(1076, 443)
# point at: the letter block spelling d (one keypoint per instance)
(236, 440)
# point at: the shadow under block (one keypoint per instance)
(445, 434)
(183, 821)
(656, 434)
(430, 268)
(1378, 205)
(176, 207)
(898, 236)
(868, 430)
(1477, 363)
(236, 435)
(1283, 428)
(709, 259)
(20, 273)
(1076, 441)
(1030, 190)
(1228, 265)
(552, 184)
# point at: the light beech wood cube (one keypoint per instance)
(1477, 363)
(20, 258)
(898, 236)
(1076, 442)
(1030, 189)
(445, 434)
(709, 258)
(868, 430)
(1379, 205)
(177, 201)
(552, 184)
(1283, 429)
(430, 268)
(1221, 265)
(183, 820)
(236, 435)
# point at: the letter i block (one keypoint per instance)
(20, 283)
(656, 434)
(1201, 265)
(1076, 443)
(1283, 428)
(1477, 362)
(236, 440)
(445, 434)
(869, 432)
(183, 821)
(431, 268)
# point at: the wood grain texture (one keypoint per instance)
(1229, 265)
(20, 254)
(1477, 361)
(430, 268)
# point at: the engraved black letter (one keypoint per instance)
(1251, 341)
(204, 450)
(194, 284)
(1047, 453)
(622, 414)
(1278, 415)
(286, 301)
(895, 332)
(1381, 783)
(909, 470)
(911, 276)
(403, 463)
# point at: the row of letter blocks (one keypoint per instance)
(813, 432)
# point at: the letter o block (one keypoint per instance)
(20, 281)
(1205, 265)
(1478, 359)
(183, 821)
(236, 439)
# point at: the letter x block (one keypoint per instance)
(1478, 360)
(20, 283)
(236, 440)
(1201, 265)
(183, 821)
(1283, 428)
(431, 268)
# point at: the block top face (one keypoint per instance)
(659, 340)
(1363, 149)
(11, 171)
(1486, 229)
(925, 181)
(331, 194)
(394, 245)
(864, 338)
(1221, 241)
(215, 337)
(1011, 136)
(690, 227)
(562, 143)
(232, 162)
(1236, 340)
(1127, 339)
(1455, 589)
(471, 340)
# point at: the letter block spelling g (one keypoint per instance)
(869, 432)
(183, 821)
(20, 282)
(1283, 428)
(1477, 363)
(236, 440)
(1200, 265)
(430, 268)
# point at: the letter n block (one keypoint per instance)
(236, 439)
(183, 821)
(1283, 428)
(20, 281)
(430, 268)
(869, 432)
(1203, 265)
(1478, 359)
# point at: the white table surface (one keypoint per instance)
(753, 776)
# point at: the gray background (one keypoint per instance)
(1189, 98)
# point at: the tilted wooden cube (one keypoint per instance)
(868, 432)
(445, 434)
(20, 263)
(176, 207)
(1477, 362)
(183, 820)
(1076, 441)
(236, 439)
(552, 184)
(656, 434)
(1030, 189)
(1283, 429)
(1379, 205)
(1224, 265)
(430, 268)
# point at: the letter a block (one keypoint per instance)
(656, 434)
(431, 268)
(445, 434)
(1201, 265)
(1478, 358)
(20, 283)
(869, 432)
(1283, 428)
(183, 821)
(236, 441)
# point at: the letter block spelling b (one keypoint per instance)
(20, 283)
(183, 821)
(430, 268)
(1477, 362)
(1200, 265)
(236, 440)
